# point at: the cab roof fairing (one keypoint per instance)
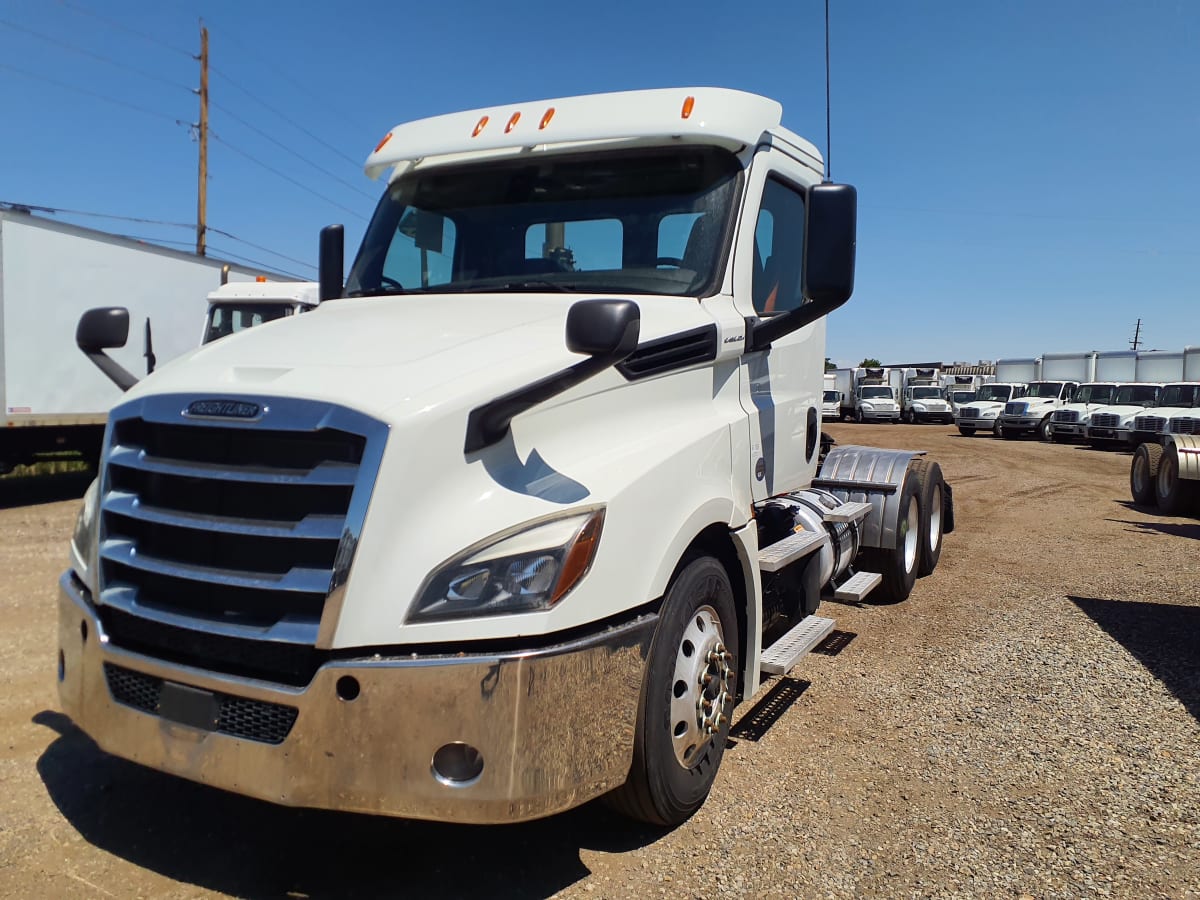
(717, 116)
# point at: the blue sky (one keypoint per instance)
(1026, 170)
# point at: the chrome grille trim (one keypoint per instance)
(240, 528)
(1149, 423)
(1185, 425)
(1106, 420)
(1066, 416)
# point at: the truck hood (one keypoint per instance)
(392, 357)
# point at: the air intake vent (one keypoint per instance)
(677, 351)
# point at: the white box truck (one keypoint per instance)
(1060, 374)
(1112, 425)
(50, 272)
(983, 413)
(481, 544)
(922, 399)
(831, 399)
(876, 398)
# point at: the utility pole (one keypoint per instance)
(202, 135)
(1137, 334)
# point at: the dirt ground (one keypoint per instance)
(1026, 724)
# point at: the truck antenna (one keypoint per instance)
(828, 146)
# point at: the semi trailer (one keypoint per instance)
(519, 513)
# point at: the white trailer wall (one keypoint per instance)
(1079, 367)
(1154, 366)
(1116, 365)
(1017, 371)
(51, 273)
(1191, 363)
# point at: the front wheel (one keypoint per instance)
(966, 430)
(687, 699)
(858, 416)
(1143, 473)
(1046, 429)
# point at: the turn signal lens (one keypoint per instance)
(387, 137)
(479, 126)
(512, 123)
(546, 118)
(687, 107)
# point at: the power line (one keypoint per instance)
(120, 27)
(288, 149)
(257, 262)
(290, 121)
(288, 178)
(95, 94)
(96, 56)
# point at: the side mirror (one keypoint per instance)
(105, 328)
(606, 330)
(331, 262)
(101, 329)
(603, 328)
(830, 225)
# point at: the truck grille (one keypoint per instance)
(221, 539)
(1106, 420)
(1149, 423)
(254, 720)
(969, 412)
(1185, 425)
(1066, 416)
(1015, 409)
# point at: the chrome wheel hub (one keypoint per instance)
(702, 687)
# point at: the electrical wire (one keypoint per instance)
(288, 149)
(357, 163)
(120, 27)
(258, 162)
(96, 56)
(95, 94)
(257, 262)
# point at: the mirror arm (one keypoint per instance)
(761, 332)
(116, 373)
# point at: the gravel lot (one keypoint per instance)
(1026, 724)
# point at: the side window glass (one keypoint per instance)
(422, 253)
(778, 249)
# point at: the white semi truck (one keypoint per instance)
(876, 398)
(922, 399)
(50, 272)
(414, 553)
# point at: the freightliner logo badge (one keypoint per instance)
(224, 409)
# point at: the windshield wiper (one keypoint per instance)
(379, 292)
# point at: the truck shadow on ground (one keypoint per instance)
(43, 489)
(248, 848)
(1163, 637)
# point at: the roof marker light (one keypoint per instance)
(546, 118)
(261, 279)
(480, 125)
(687, 107)
(512, 123)
(387, 137)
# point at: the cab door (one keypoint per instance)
(780, 385)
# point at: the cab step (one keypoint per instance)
(858, 586)
(854, 511)
(791, 548)
(779, 658)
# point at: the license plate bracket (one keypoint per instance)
(189, 706)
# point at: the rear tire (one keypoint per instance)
(899, 565)
(932, 487)
(1143, 473)
(966, 430)
(675, 755)
(1176, 496)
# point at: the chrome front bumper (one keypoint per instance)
(554, 726)
(1108, 434)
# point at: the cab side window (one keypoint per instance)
(778, 249)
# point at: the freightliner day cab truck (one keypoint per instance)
(922, 400)
(875, 397)
(831, 399)
(414, 553)
(983, 413)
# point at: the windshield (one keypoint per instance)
(962, 396)
(1184, 395)
(1045, 389)
(1137, 395)
(226, 318)
(831, 397)
(876, 393)
(926, 393)
(1095, 393)
(634, 222)
(994, 392)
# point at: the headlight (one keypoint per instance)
(522, 571)
(919, 407)
(866, 404)
(990, 413)
(83, 541)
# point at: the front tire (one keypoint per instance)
(1175, 495)
(1143, 473)
(966, 430)
(899, 565)
(858, 416)
(1009, 434)
(1046, 429)
(687, 699)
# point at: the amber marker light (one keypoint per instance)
(479, 126)
(261, 279)
(579, 557)
(512, 122)
(387, 137)
(688, 103)
(549, 114)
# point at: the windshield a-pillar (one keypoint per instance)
(650, 221)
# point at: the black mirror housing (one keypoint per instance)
(103, 328)
(331, 262)
(830, 234)
(603, 328)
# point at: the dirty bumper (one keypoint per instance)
(483, 738)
